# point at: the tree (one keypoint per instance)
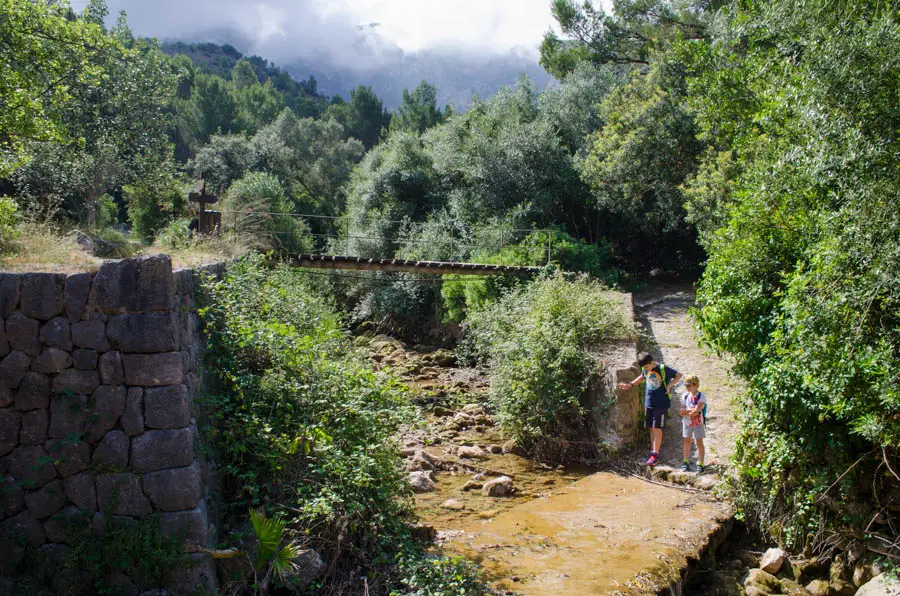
(418, 110)
(629, 35)
(363, 116)
(45, 55)
(210, 109)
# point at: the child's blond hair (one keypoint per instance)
(693, 380)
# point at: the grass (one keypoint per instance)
(41, 247)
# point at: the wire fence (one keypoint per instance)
(352, 236)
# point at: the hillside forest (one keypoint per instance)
(749, 145)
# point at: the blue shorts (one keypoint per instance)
(655, 417)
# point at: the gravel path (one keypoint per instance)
(663, 311)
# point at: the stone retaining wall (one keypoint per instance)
(98, 374)
(616, 413)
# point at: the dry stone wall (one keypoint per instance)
(98, 375)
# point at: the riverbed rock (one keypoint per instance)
(772, 560)
(880, 585)
(499, 487)
(514, 448)
(761, 583)
(472, 485)
(818, 587)
(453, 504)
(421, 461)
(471, 453)
(420, 482)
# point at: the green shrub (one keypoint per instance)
(536, 339)
(154, 201)
(301, 423)
(432, 575)
(259, 208)
(9, 212)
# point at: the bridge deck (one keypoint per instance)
(436, 267)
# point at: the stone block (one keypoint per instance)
(153, 370)
(160, 449)
(121, 494)
(184, 282)
(6, 395)
(10, 288)
(42, 295)
(90, 334)
(79, 382)
(174, 489)
(34, 427)
(144, 333)
(139, 285)
(108, 405)
(78, 288)
(112, 450)
(133, 416)
(167, 407)
(22, 334)
(198, 574)
(10, 423)
(4, 343)
(34, 392)
(66, 523)
(57, 333)
(69, 456)
(12, 497)
(81, 491)
(13, 367)
(111, 371)
(68, 414)
(47, 500)
(192, 525)
(84, 359)
(51, 361)
(24, 524)
(31, 465)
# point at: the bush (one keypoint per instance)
(261, 209)
(536, 339)
(9, 211)
(153, 202)
(302, 425)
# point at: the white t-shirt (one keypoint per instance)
(689, 402)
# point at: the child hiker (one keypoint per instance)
(693, 422)
(658, 382)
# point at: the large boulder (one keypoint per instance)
(881, 585)
(420, 482)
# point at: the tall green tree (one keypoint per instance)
(363, 117)
(418, 110)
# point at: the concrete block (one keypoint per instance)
(42, 295)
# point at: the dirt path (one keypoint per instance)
(669, 336)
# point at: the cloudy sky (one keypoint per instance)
(282, 29)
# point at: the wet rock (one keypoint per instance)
(818, 587)
(471, 453)
(761, 583)
(514, 448)
(472, 485)
(772, 560)
(420, 482)
(499, 487)
(881, 585)
(453, 504)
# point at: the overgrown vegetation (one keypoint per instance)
(537, 339)
(303, 428)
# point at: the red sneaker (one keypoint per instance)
(651, 461)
